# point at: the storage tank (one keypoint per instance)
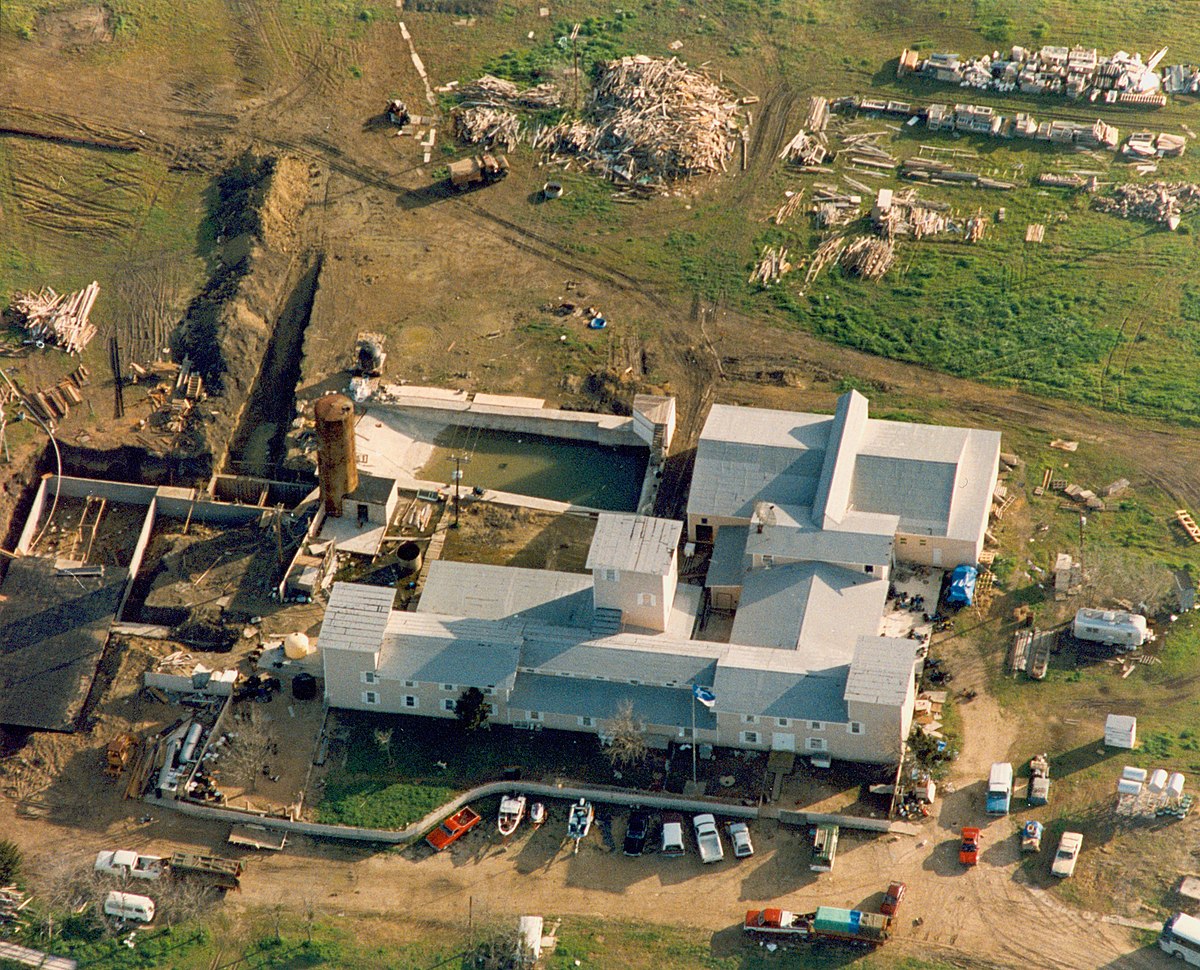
(188, 752)
(337, 469)
(296, 646)
(1134, 774)
(1175, 785)
(1158, 781)
(408, 557)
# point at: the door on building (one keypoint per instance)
(937, 557)
(722, 600)
(783, 742)
(704, 534)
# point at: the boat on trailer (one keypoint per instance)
(579, 822)
(512, 810)
(537, 814)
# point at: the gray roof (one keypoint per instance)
(814, 608)
(920, 492)
(496, 592)
(859, 538)
(666, 706)
(449, 650)
(845, 434)
(882, 670)
(356, 617)
(637, 543)
(650, 659)
(803, 695)
(750, 455)
(372, 489)
(727, 565)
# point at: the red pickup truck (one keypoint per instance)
(454, 828)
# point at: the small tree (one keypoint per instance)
(628, 744)
(471, 709)
(383, 740)
(10, 862)
(250, 746)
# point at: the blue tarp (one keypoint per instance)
(962, 586)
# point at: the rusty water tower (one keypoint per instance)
(337, 469)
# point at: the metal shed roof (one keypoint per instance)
(356, 617)
(882, 670)
(637, 543)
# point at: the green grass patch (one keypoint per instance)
(372, 804)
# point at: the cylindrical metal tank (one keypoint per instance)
(296, 646)
(408, 557)
(337, 468)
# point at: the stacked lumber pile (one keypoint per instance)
(540, 96)
(489, 90)
(868, 257)
(487, 125)
(975, 227)
(826, 253)
(12, 901)
(833, 208)
(772, 265)
(818, 114)
(788, 209)
(864, 153)
(60, 320)
(1162, 202)
(940, 173)
(649, 120)
(805, 149)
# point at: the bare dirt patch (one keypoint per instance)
(506, 536)
(76, 28)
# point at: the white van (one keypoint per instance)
(129, 906)
(1180, 937)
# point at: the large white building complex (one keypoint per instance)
(806, 514)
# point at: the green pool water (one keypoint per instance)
(579, 472)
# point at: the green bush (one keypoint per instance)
(11, 861)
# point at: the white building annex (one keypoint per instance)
(806, 513)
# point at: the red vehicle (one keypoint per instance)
(891, 899)
(968, 850)
(454, 828)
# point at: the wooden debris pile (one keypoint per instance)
(53, 319)
(497, 92)
(649, 120)
(486, 125)
(975, 227)
(788, 209)
(832, 208)
(12, 901)
(805, 150)
(941, 173)
(1162, 202)
(772, 265)
(826, 253)
(868, 257)
(865, 154)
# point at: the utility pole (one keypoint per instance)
(459, 461)
(575, 59)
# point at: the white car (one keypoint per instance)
(708, 839)
(672, 834)
(739, 835)
(1067, 855)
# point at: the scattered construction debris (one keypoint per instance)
(1161, 202)
(1035, 232)
(868, 257)
(12, 901)
(486, 125)
(826, 253)
(772, 265)
(649, 120)
(941, 173)
(805, 149)
(49, 318)
(790, 204)
(832, 208)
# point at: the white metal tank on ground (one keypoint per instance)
(1175, 785)
(296, 646)
(1158, 780)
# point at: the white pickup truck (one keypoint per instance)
(708, 838)
(129, 865)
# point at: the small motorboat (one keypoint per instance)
(579, 822)
(537, 814)
(512, 810)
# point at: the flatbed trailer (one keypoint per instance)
(219, 872)
(828, 923)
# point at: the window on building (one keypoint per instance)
(704, 521)
(410, 702)
(815, 744)
(921, 542)
(492, 710)
(902, 540)
(685, 732)
(854, 727)
(611, 575)
(781, 721)
(647, 599)
(585, 721)
(749, 719)
(534, 715)
(749, 737)
(410, 683)
(370, 697)
(449, 687)
(636, 683)
(368, 677)
(868, 569)
(816, 725)
(448, 705)
(489, 690)
(768, 560)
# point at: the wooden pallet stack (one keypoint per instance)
(61, 320)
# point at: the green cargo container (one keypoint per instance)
(851, 924)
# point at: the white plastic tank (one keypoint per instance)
(188, 752)
(296, 646)
(1175, 785)
(1134, 774)
(1158, 780)
(1127, 786)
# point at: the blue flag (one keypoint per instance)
(704, 695)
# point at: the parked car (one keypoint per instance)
(1067, 855)
(672, 834)
(892, 898)
(636, 832)
(739, 836)
(708, 838)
